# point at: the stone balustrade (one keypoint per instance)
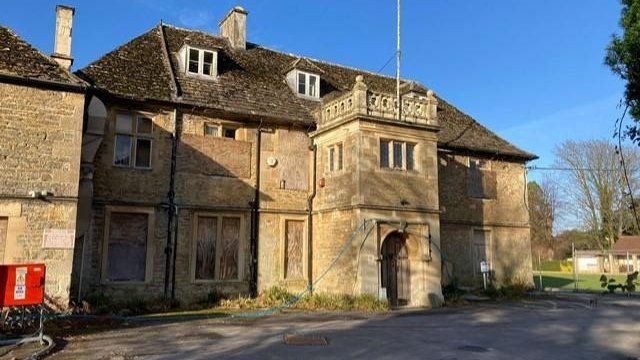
(361, 101)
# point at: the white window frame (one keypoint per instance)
(391, 157)
(201, 53)
(222, 127)
(148, 275)
(194, 247)
(134, 135)
(307, 88)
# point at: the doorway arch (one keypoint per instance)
(395, 271)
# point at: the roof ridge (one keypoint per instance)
(298, 56)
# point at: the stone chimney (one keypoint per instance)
(62, 45)
(234, 27)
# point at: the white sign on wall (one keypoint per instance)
(19, 291)
(58, 238)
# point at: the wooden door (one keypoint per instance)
(395, 270)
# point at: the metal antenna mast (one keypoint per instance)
(398, 55)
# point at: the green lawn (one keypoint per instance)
(562, 280)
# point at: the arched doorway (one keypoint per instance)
(395, 269)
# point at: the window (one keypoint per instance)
(229, 133)
(217, 247)
(294, 236)
(210, 130)
(133, 141)
(201, 62)
(397, 155)
(308, 84)
(481, 181)
(335, 157)
(127, 247)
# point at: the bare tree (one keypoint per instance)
(595, 188)
(544, 204)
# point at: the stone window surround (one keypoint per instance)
(134, 137)
(283, 249)
(338, 158)
(489, 240)
(404, 155)
(109, 209)
(194, 243)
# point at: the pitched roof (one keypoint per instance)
(627, 243)
(19, 59)
(251, 82)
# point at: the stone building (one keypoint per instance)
(211, 164)
(41, 115)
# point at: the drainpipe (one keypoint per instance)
(314, 148)
(255, 224)
(171, 212)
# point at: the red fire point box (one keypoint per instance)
(22, 285)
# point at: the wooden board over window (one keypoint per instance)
(3, 237)
(230, 245)
(481, 247)
(215, 156)
(206, 235)
(482, 184)
(217, 247)
(127, 246)
(294, 236)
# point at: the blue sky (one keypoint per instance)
(532, 71)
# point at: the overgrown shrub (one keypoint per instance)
(630, 284)
(508, 290)
(452, 292)
(278, 296)
(99, 303)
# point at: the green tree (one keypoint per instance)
(623, 56)
(543, 204)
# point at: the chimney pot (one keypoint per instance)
(234, 27)
(62, 45)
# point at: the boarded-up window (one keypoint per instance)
(292, 152)
(3, 237)
(481, 245)
(230, 247)
(481, 181)
(293, 245)
(217, 247)
(206, 235)
(127, 247)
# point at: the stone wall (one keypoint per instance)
(215, 176)
(505, 217)
(42, 134)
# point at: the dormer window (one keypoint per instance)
(201, 62)
(308, 84)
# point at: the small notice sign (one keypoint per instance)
(484, 267)
(19, 290)
(58, 238)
